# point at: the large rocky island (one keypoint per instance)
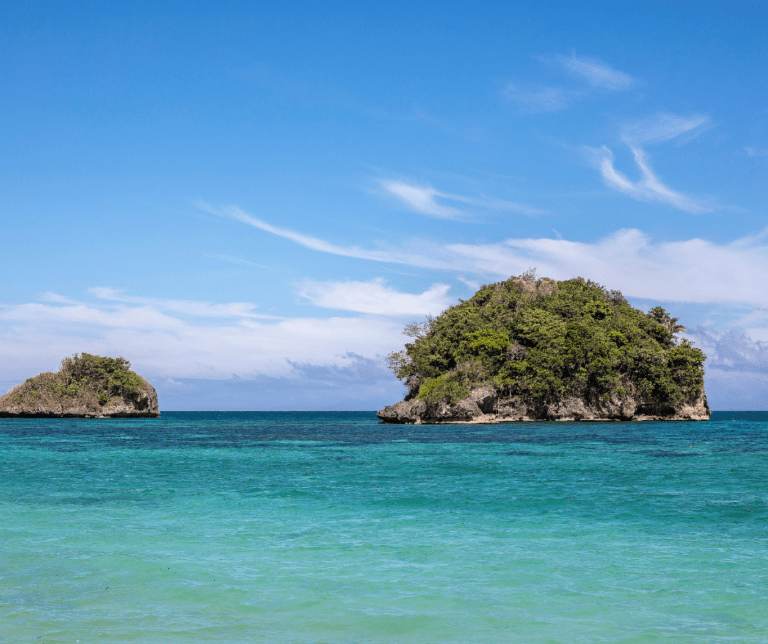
(86, 386)
(530, 349)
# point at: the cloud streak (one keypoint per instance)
(192, 308)
(693, 270)
(422, 199)
(427, 255)
(664, 127)
(597, 73)
(426, 200)
(535, 97)
(649, 188)
(592, 76)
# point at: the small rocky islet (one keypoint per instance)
(530, 349)
(86, 386)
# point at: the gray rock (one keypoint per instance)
(483, 406)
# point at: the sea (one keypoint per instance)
(301, 527)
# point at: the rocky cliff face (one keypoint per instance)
(483, 406)
(86, 387)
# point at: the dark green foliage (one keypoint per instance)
(541, 339)
(446, 388)
(107, 376)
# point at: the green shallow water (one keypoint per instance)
(323, 527)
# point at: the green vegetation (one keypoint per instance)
(542, 340)
(106, 376)
(84, 380)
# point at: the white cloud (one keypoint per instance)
(183, 307)
(313, 243)
(421, 199)
(424, 200)
(304, 240)
(693, 270)
(597, 73)
(192, 339)
(34, 337)
(649, 188)
(593, 77)
(663, 127)
(376, 298)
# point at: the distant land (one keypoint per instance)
(86, 386)
(533, 349)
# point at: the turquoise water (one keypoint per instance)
(323, 527)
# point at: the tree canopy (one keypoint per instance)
(540, 340)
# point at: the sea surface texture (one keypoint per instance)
(329, 527)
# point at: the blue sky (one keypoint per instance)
(249, 201)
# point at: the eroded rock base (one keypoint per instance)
(484, 407)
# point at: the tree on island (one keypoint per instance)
(539, 340)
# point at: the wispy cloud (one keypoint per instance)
(424, 255)
(649, 188)
(192, 308)
(535, 97)
(376, 298)
(592, 77)
(597, 73)
(664, 127)
(756, 153)
(426, 200)
(312, 243)
(693, 270)
(422, 199)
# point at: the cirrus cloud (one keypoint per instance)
(426, 200)
(593, 77)
(649, 187)
(596, 73)
(690, 270)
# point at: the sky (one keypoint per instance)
(249, 201)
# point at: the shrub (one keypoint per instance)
(446, 388)
(107, 376)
